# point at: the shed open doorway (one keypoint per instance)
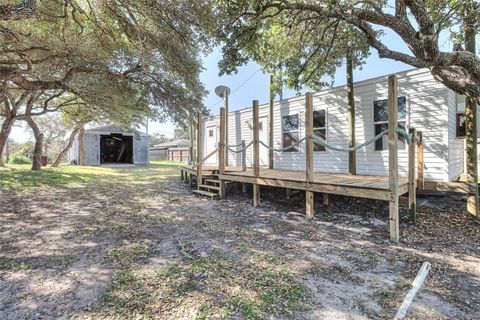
(116, 148)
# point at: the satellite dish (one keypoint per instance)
(220, 91)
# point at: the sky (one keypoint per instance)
(250, 83)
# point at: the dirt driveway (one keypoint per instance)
(134, 243)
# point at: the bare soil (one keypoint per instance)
(142, 246)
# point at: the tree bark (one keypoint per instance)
(81, 150)
(63, 153)
(352, 156)
(37, 151)
(4, 133)
(471, 122)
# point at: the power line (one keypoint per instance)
(241, 85)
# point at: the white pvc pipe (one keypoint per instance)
(416, 285)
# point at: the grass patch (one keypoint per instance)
(21, 177)
(10, 265)
(217, 286)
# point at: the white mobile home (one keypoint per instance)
(424, 104)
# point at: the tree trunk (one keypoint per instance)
(63, 153)
(81, 150)
(352, 156)
(471, 120)
(4, 133)
(37, 151)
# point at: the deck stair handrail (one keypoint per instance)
(205, 158)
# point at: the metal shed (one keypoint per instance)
(112, 144)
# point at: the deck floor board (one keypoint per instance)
(320, 178)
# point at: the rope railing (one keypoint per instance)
(231, 147)
(402, 132)
(293, 145)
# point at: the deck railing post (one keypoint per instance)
(199, 150)
(191, 147)
(412, 179)
(222, 155)
(420, 181)
(309, 204)
(270, 125)
(256, 154)
(393, 156)
(244, 156)
(225, 98)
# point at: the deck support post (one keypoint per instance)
(309, 204)
(244, 188)
(393, 157)
(420, 179)
(191, 132)
(288, 192)
(412, 179)
(182, 175)
(325, 199)
(190, 180)
(309, 153)
(270, 125)
(244, 156)
(199, 151)
(222, 155)
(256, 154)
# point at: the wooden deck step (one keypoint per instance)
(212, 181)
(209, 187)
(212, 195)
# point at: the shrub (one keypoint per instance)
(20, 159)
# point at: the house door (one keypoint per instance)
(211, 142)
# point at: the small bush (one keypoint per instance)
(20, 159)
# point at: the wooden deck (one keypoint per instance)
(372, 187)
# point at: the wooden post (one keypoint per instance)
(310, 208)
(288, 193)
(352, 155)
(244, 156)
(221, 151)
(412, 179)
(309, 204)
(225, 97)
(420, 179)
(325, 199)
(393, 157)
(470, 20)
(270, 125)
(191, 148)
(256, 154)
(199, 151)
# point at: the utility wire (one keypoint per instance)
(234, 90)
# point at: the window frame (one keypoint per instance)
(315, 145)
(457, 114)
(295, 149)
(403, 121)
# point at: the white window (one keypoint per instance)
(380, 119)
(461, 119)
(290, 131)
(319, 128)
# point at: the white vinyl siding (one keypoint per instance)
(427, 111)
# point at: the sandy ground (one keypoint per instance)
(61, 247)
